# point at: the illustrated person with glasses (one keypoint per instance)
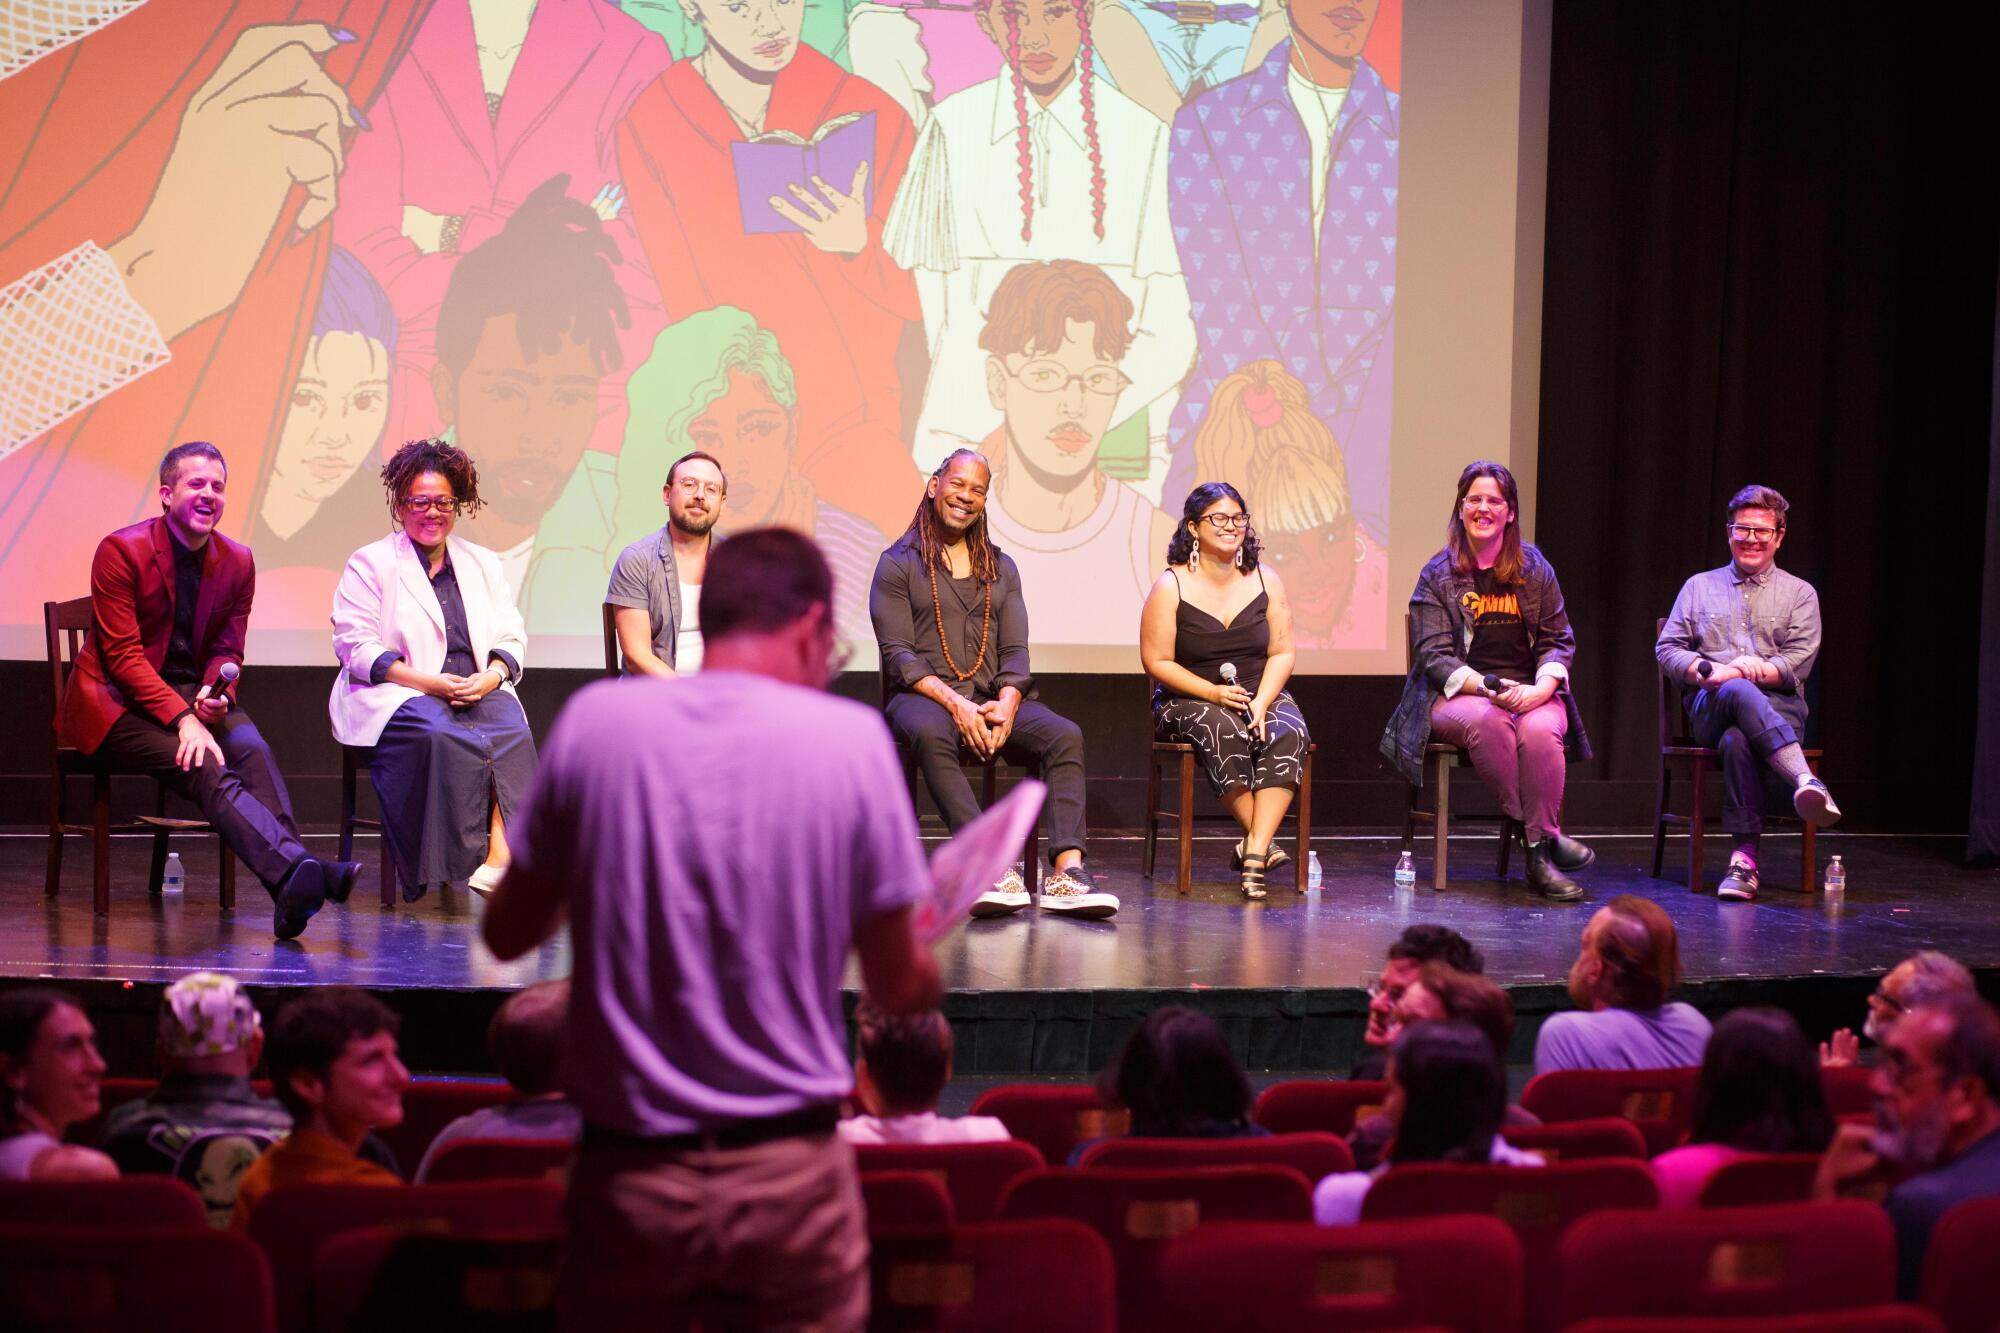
(1742, 640)
(1488, 607)
(430, 646)
(1055, 338)
(953, 625)
(1216, 637)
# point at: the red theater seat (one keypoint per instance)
(1793, 1258)
(1537, 1202)
(1659, 1101)
(974, 1174)
(69, 1280)
(429, 1104)
(1461, 1273)
(1327, 1105)
(1874, 1319)
(394, 1279)
(293, 1221)
(1139, 1212)
(1778, 1177)
(1580, 1140)
(1847, 1090)
(1044, 1276)
(1311, 1155)
(1055, 1117)
(135, 1202)
(1959, 1279)
(905, 1203)
(501, 1159)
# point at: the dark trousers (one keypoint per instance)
(1748, 724)
(244, 798)
(927, 729)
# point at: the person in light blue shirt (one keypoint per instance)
(1742, 640)
(1630, 962)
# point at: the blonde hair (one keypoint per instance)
(1256, 410)
(1297, 490)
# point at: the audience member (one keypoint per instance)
(1937, 1113)
(50, 1077)
(332, 1055)
(1629, 964)
(1447, 1097)
(1922, 978)
(1442, 992)
(1179, 1080)
(1417, 945)
(1759, 1092)
(525, 1041)
(203, 1124)
(904, 1063)
(710, 921)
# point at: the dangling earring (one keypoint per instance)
(1239, 557)
(1194, 560)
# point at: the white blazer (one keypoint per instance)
(385, 604)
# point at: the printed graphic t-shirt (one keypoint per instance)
(1501, 644)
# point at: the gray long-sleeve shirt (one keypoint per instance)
(1723, 614)
(906, 626)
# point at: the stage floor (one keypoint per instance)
(1906, 893)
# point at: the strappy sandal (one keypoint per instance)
(1253, 874)
(1274, 856)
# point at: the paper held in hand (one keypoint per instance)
(977, 855)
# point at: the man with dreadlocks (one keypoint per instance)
(1016, 171)
(953, 628)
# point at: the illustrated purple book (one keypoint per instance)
(770, 163)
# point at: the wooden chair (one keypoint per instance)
(1677, 747)
(64, 625)
(354, 759)
(1031, 855)
(1183, 814)
(1439, 760)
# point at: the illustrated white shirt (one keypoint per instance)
(1085, 584)
(956, 225)
(1319, 108)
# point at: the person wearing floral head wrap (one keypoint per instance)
(204, 1124)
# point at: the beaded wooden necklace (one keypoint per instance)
(985, 629)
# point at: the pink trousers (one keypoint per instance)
(1519, 756)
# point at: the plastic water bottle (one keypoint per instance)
(1406, 872)
(175, 878)
(1312, 871)
(1836, 877)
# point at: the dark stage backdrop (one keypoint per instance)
(1771, 258)
(1983, 839)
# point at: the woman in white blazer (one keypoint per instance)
(430, 646)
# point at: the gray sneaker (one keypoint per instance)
(1073, 892)
(1814, 803)
(1005, 898)
(1739, 882)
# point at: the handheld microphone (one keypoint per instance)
(1228, 672)
(225, 676)
(1704, 668)
(1492, 683)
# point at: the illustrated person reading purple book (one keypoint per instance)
(1282, 188)
(768, 165)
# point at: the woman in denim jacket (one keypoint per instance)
(1487, 608)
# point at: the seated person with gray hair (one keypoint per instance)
(525, 1039)
(1922, 978)
(903, 1063)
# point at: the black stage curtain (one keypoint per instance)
(1983, 845)
(1772, 258)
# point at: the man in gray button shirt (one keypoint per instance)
(656, 584)
(1742, 640)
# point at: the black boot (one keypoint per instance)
(1569, 854)
(1546, 878)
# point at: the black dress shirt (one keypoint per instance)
(906, 625)
(182, 666)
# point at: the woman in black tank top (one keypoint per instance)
(1216, 637)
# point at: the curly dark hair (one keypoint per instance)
(1181, 546)
(421, 456)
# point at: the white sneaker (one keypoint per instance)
(1008, 896)
(486, 879)
(1072, 892)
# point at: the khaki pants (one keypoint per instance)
(766, 1237)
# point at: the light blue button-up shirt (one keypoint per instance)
(1723, 614)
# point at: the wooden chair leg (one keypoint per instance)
(1031, 855)
(346, 804)
(52, 882)
(1664, 794)
(1305, 821)
(100, 846)
(1508, 831)
(1152, 816)
(1697, 815)
(227, 876)
(388, 876)
(1809, 861)
(1441, 823)
(1184, 872)
(156, 873)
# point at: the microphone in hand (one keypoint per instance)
(1704, 668)
(1228, 673)
(1492, 683)
(225, 676)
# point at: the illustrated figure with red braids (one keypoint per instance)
(1044, 162)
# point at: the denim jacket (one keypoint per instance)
(1441, 638)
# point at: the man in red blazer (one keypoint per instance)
(171, 599)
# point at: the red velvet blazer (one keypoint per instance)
(132, 585)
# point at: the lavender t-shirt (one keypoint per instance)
(1670, 1037)
(719, 836)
